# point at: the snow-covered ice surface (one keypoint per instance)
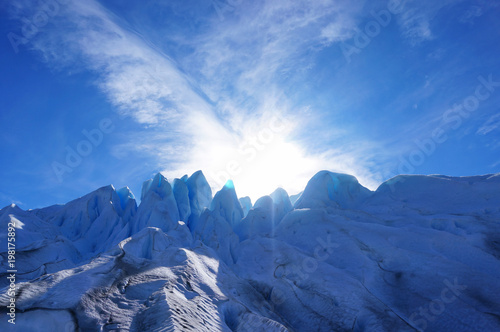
(421, 253)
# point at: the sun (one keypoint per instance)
(259, 159)
(277, 163)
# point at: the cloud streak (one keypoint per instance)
(416, 18)
(493, 123)
(200, 108)
(184, 129)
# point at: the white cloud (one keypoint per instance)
(417, 16)
(471, 14)
(239, 61)
(493, 123)
(495, 165)
(10, 199)
(338, 31)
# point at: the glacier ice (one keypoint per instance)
(158, 207)
(421, 253)
(281, 204)
(246, 204)
(200, 195)
(181, 194)
(226, 204)
(327, 189)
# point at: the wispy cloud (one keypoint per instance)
(495, 165)
(261, 43)
(493, 123)
(470, 15)
(8, 198)
(416, 18)
(202, 108)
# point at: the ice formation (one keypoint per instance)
(421, 253)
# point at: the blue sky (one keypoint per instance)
(266, 93)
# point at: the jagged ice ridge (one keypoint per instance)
(419, 253)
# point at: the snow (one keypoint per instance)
(40, 246)
(46, 320)
(476, 195)
(96, 221)
(419, 253)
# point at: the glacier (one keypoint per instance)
(420, 253)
